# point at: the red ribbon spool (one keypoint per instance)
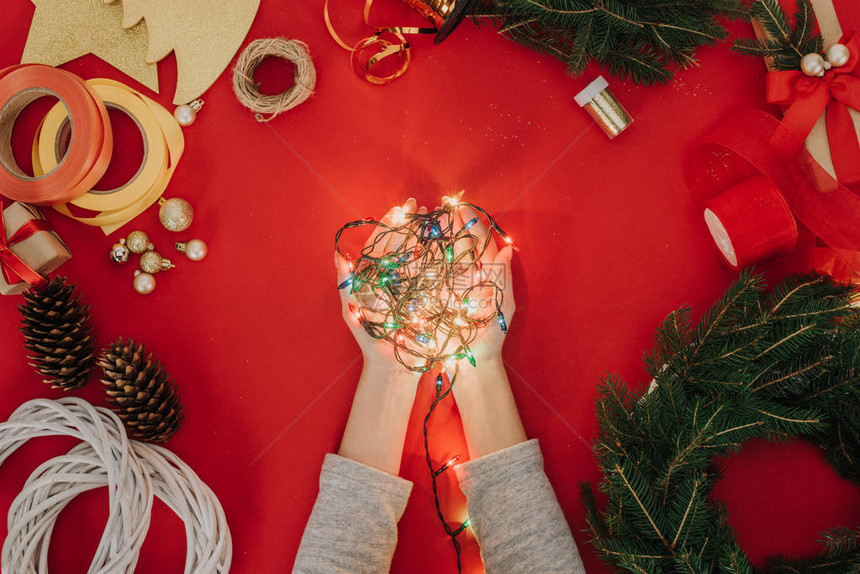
(753, 158)
(91, 142)
(750, 222)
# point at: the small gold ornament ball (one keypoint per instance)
(153, 262)
(195, 250)
(838, 55)
(138, 242)
(812, 64)
(175, 214)
(144, 283)
(185, 115)
(119, 252)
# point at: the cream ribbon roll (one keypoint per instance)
(163, 146)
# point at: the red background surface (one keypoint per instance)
(609, 243)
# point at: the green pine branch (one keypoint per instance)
(788, 40)
(646, 42)
(778, 366)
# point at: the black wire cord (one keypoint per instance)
(436, 472)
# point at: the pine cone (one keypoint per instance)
(140, 391)
(58, 334)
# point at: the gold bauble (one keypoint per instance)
(175, 214)
(152, 262)
(813, 64)
(138, 242)
(838, 55)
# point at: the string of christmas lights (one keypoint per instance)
(419, 284)
(453, 533)
(424, 295)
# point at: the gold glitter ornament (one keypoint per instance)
(152, 262)
(175, 214)
(138, 242)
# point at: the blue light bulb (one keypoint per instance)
(502, 323)
(346, 282)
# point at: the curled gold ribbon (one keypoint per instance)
(361, 63)
(163, 146)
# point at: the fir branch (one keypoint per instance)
(638, 40)
(775, 366)
(638, 498)
(840, 541)
(788, 41)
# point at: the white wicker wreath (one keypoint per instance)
(134, 472)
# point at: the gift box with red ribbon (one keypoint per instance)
(29, 248)
(824, 109)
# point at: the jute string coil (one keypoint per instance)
(248, 91)
(134, 472)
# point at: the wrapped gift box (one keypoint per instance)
(818, 142)
(43, 252)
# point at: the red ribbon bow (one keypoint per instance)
(807, 97)
(13, 267)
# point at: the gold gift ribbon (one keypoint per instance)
(386, 48)
(163, 146)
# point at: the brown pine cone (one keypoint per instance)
(140, 391)
(58, 334)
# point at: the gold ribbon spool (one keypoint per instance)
(445, 15)
(163, 144)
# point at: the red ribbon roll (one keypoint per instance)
(91, 143)
(13, 267)
(807, 97)
(750, 222)
(761, 154)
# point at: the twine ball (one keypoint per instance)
(248, 91)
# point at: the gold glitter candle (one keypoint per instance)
(601, 105)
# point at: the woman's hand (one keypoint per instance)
(377, 353)
(376, 428)
(495, 267)
(487, 407)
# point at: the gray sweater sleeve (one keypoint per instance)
(515, 514)
(353, 526)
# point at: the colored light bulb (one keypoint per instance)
(391, 325)
(346, 282)
(448, 464)
(502, 323)
(356, 312)
(470, 223)
(470, 356)
(432, 230)
(464, 526)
